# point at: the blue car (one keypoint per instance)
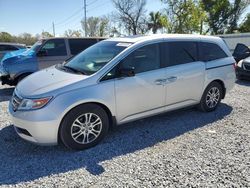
(16, 65)
(6, 47)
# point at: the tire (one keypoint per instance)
(211, 97)
(84, 127)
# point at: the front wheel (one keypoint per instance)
(84, 127)
(211, 97)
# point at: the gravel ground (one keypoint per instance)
(186, 148)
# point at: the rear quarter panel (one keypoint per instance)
(222, 69)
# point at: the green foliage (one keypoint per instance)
(72, 33)
(24, 38)
(245, 26)
(46, 34)
(156, 21)
(185, 16)
(5, 37)
(223, 15)
(96, 26)
(103, 26)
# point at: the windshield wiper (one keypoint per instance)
(74, 70)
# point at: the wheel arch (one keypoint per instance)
(112, 119)
(222, 85)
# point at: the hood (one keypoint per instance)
(18, 55)
(46, 81)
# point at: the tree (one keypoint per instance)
(185, 16)
(72, 33)
(46, 34)
(156, 21)
(245, 26)
(237, 8)
(25, 38)
(103, 26)
(224, 15)
(97, 26)
(5, 37)
(131, 15)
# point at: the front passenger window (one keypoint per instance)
(143, 59)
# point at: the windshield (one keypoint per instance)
(95, 57)
(36, 46)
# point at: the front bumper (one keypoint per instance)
(29, 127)
(5, 77)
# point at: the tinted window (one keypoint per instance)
(78, 45)
(143, 59)
(177, 53)
(7, 48)
(210, 52)
(55, 47)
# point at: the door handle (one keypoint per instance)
(172, 79)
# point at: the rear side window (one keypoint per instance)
(210, 52)
(78, 45)
(177, 53)
(55, 47)
(7, 48)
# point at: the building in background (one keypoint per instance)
(233, 39)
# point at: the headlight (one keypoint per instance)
(240, 63)
(32, 104)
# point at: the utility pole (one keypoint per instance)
(53, 25)
(85, 18)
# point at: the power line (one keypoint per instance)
(71, 16)
(91, 3)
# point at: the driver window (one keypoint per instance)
(143, 59)
(55, 47)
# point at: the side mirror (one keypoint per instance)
(42, 53)
(127, 72)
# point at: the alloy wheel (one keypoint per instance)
(86, 128)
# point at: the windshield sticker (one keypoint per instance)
(124, 44)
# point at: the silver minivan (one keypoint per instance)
(117, 81)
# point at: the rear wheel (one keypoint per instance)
(211, 97)
(84, 127)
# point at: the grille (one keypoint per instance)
(247, 66)
(15, 101)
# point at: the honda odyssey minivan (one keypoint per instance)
(117, 81)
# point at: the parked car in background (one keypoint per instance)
(6, 47)
(243, 69)
(242, 57)
(44, 53)
(117, 81)
(241, 51)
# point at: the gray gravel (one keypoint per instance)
(186, 148)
